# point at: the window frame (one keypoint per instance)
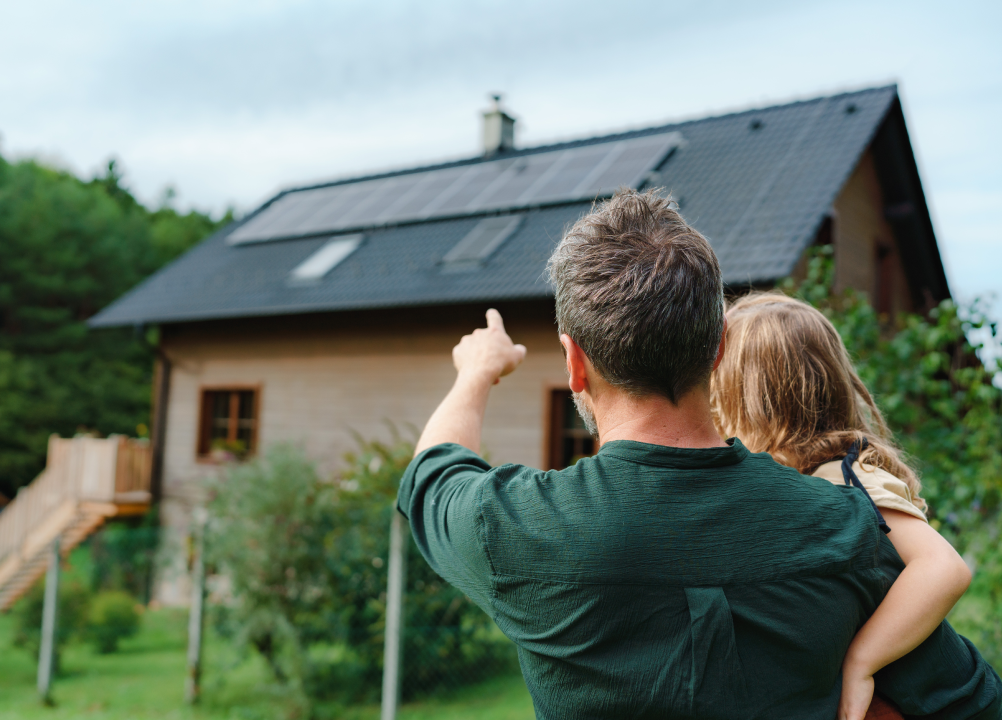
(555, 416)
(205, 420)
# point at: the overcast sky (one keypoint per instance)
(227, 101)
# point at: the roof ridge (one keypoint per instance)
(724, 160)
(565, 144)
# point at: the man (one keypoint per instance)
(673, 574)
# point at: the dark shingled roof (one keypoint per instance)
(758, 184)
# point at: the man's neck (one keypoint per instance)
(655, 420)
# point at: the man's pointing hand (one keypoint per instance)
(481, 360)
(488, 352)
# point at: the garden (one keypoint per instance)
(144, 680)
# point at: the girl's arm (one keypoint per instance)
(934, 578)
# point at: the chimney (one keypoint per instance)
(499, 129)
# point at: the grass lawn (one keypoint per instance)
(145, 680)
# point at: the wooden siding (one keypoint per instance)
(323, 379)
(860, 230)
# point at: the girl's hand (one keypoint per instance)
(857, 692)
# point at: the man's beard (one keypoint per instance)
(586, 414)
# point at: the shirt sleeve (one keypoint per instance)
(440, 495)
(884, 489)
(945, 677)
(888, 491)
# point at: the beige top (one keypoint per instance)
(885, 489)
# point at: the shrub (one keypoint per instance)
(74, 601)
(940, 401)
(307, 559)
(123, 555)
(112, 617)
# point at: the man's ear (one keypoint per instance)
(577, 363)
(723, 344)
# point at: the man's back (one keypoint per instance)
(659, 582)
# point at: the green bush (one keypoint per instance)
(74, 602)
(112, 617)
(123, 555)
(940, 401)
(307, 559)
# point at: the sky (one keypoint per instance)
(227, 101)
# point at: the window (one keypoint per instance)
(228, 423)
(569, 438)
(321, 262)
(480, 243)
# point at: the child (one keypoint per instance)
(786, 386)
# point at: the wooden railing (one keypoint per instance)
(85, 480)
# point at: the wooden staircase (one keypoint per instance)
(85, 481)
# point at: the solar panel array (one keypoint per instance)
(578, 173)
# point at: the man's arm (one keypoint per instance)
(934, 578)
(481, 360)
(440, 495)
(945, 677)
(441, 489)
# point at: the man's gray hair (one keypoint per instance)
(639, 291)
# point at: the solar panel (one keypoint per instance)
(420, 194)
(287, 213)
(638, 157)
(329, 204)
(523, 177)
(555, 176)
(564, 182)
(462, 199)
(456, 183)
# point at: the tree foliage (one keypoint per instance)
(939, 399)
(68, 248)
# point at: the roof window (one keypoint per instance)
(480, 243)
(321, 262)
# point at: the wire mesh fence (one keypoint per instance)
(437, 640)
(439, 660)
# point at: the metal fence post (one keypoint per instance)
(393, 642)
(196, 616)
(50, 620)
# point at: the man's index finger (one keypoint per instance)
(494, 319)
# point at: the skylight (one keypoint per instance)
(325, 259)
(481, 242)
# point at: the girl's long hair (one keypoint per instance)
(786, 386)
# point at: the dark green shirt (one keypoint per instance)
(657, 582)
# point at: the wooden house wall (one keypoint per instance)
(320, 380)
(859, 231)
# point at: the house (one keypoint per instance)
(333, 308)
